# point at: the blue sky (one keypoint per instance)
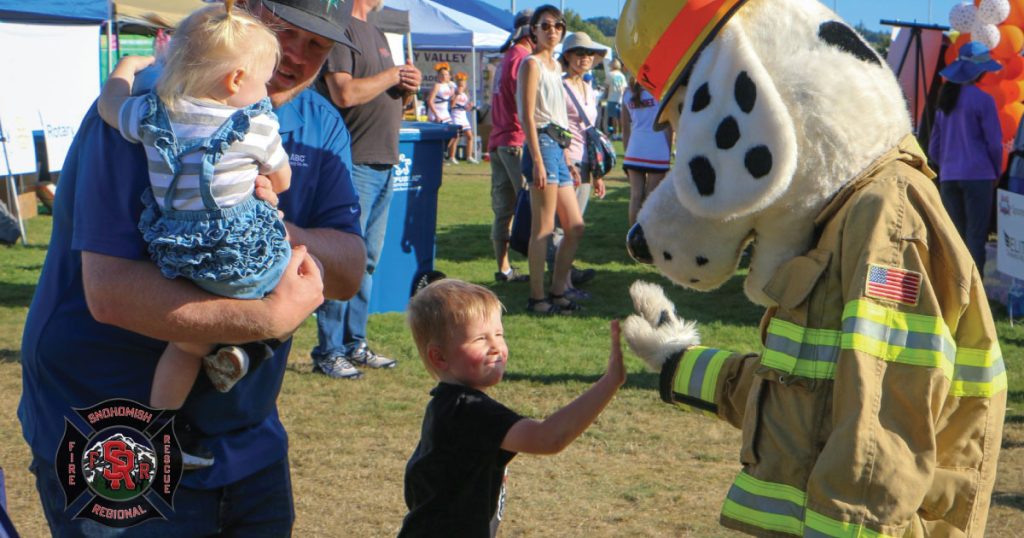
(854, 11)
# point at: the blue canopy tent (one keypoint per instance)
(54, 11)
(484, 11)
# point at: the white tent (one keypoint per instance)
(441, 33)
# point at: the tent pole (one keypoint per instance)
(12, 188)
(110, 47)
(409, 58)
(472, 118)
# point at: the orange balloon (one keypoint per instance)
(1010, 42)
(1020, 87)
(1009, 119)
(1009, 91)
(1016, 17)
(1013, 68)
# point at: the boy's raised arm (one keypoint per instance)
(118, 87)
(556, 432)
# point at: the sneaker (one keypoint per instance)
(226, 366)
(473, 161)
(580, 277)
(337, 367)
(364, 356)
(193, 454)
(513, 275)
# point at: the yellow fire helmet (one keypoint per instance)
(658, 40)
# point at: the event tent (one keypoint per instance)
(439, 27)
(484, 11)
(54, 11)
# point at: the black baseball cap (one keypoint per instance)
(328, 18)
(520, 29)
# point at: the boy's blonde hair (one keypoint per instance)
(436, 310)
(209, 44)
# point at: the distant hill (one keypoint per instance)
(577, 24)
(607, 25)
(880, 40)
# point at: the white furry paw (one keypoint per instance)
(656, 333)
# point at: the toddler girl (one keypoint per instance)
(208, 131)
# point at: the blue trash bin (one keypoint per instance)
(408, 250)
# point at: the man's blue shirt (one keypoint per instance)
(69, 360)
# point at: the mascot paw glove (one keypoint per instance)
(656, 333)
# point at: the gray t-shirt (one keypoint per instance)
(374, 125)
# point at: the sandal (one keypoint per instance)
(542, 306)
(566, 305)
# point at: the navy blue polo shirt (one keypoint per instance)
(71, 360)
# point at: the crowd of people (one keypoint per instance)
(310, 184)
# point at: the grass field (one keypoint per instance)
(643, 469)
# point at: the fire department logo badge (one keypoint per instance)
(128, 459)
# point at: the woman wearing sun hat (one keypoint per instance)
(966, 145)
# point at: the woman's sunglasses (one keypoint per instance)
(584, 52)
(545, 26)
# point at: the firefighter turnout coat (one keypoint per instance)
(876, 407)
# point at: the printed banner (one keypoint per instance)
(1010, 250)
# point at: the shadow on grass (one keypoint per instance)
(642, 380)
(1009, 500)
(10, 356)
(16, 294)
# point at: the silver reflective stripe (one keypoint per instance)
(802, 350)
(764, 504)
(900, 338)
(700, 368)
(978, 374)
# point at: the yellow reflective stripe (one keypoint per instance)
(767, 505)
(797, 350)
(895, 336)
(697, 375)
(820, 525)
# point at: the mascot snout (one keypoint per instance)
(636, 243)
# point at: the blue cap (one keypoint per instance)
(973, 60)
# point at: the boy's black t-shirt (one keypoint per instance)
(455, 480)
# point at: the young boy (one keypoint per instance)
(454, 481)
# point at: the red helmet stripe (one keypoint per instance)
(681, 40)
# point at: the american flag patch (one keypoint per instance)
(893, 284)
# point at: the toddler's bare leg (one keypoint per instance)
(176, 373)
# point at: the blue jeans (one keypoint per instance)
(554, 162)
(969, 204)
(341, 325)
(258, 505)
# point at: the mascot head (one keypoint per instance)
(776, 104)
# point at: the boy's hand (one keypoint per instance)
(616, 370)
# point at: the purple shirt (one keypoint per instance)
(967, 143)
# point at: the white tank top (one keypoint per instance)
(550, 107)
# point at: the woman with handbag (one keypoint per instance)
(579, 53)
(543, 113)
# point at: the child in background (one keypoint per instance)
(461, 106)
(207, 131)
(455, 480)
(648, 152)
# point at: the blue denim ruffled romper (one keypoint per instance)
(240, 251)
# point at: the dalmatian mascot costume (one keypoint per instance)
(875, 406)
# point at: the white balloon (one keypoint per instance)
(963, 18)
(987, 34)
(993, 11)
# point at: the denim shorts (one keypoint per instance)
(554, 162)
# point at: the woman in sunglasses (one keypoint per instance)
(543, 113)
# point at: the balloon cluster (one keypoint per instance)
(999, 25)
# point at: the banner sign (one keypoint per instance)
(1010, 250)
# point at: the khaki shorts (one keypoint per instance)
(506, 182)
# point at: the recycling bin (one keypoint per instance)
(409, 245)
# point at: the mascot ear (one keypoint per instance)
(736, 143)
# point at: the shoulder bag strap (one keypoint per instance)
(579, 108)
